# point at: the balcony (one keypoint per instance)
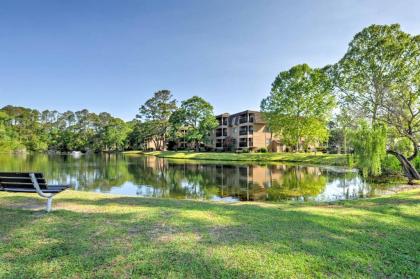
(221, 132)
(223, 122)
(243, 120)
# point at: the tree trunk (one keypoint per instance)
(415, 147)
(408, 168)
(197, 146)
(345, 142)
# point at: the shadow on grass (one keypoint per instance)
(167, 238)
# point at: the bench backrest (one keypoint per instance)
(21, 180)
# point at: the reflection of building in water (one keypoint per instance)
(198, 180)
(245, 182)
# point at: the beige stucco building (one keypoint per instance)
(243, 130)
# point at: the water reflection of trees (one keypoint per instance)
(152, 176)
(297, 182)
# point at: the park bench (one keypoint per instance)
(28, 182)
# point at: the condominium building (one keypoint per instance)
(243, 130)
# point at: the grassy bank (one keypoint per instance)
(96, 235)
(307, 158)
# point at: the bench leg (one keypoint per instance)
(49, 204)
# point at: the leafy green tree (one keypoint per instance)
(196, 116)
(137, 136)
(379, 78)
(26, 128)
(369, 147)
(7, 140)
(156, 112)
(299, 105)
(114, 134)
(23, 128)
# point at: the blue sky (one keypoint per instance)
(112, 55)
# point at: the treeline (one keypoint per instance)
(24, 129)
(159, 121)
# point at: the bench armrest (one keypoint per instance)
(37, 188)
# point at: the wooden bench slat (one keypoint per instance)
(21, 179)
(20, 174)
(22, 185)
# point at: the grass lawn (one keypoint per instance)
(103, 236)
(307, 158)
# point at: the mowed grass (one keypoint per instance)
(307, 158)
(102, 236)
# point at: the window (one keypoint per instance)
(224, 132)
(243, 142)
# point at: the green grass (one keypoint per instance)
(307, 158)
(101, 236)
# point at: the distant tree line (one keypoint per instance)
(159, 120)
(32, 130)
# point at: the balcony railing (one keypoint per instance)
(243, 120)
(223, 122)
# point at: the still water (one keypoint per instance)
(149, 176)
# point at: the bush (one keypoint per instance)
(391, 165)
(416, 163)
(245, 150)
(262, 150)
(321, 149)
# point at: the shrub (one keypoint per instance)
(416, 163)
(262, 150)
(245, 150)
(391, 165)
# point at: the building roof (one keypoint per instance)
(257, 116)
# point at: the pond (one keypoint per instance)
(149, 176)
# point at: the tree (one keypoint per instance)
(7, 140)
(379, 77)
(136, 137)
(299, 105)
(114, 134)
(26, 128)
(196, 116)
(156, 111)
(369, 147)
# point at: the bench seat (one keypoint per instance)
(27, 182)
(52, 189)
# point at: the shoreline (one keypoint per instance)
(305, 158)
